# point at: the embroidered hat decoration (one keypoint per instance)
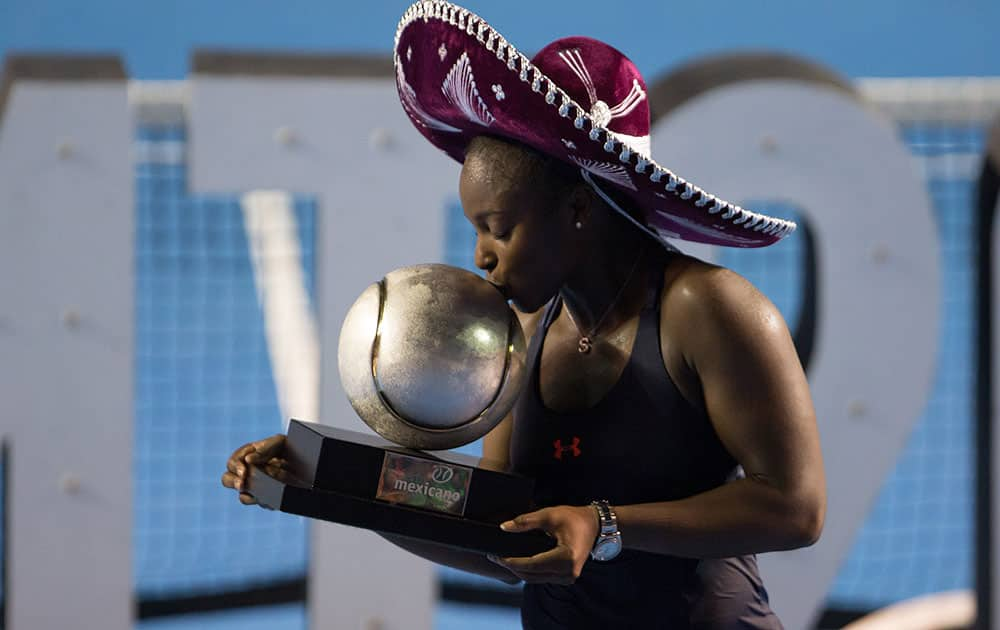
(578, 99)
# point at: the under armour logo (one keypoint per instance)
(573, 447)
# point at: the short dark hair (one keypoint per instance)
(515, 160)
(511, 161)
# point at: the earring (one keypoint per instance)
(579, 225)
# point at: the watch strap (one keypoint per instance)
(608, 520)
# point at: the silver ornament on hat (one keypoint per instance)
(432, 357)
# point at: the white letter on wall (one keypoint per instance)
(815, 146)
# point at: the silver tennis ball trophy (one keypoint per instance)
(431, 357)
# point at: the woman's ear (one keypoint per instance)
(580, 205)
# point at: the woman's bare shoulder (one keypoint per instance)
(692, 285)
(710, 316)
(701, 302)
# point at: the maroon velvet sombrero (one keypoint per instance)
(578, 99)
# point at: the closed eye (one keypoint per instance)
(500, 231)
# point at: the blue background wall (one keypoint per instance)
(855, 37)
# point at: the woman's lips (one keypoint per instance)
(502, 289)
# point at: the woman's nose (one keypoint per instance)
(483, 258)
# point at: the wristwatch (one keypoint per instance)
(609, 541)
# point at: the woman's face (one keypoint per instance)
(520, 234)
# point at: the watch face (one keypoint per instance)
(607, 548)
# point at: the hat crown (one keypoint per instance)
(601, 78)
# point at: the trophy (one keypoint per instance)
(431, 357)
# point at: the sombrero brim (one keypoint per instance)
(458, 78)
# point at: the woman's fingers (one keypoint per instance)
(571, 527)
(553, 567)
(539, 519)
(267, 450)
(235, 464)
(265, 453)
(230, 480)
(538, 574)
(264, 450)
(277, 472)
(547, 579)
(557, 560)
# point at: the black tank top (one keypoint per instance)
(643, 442)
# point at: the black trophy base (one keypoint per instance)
(360, 480)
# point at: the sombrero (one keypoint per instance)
(578, 99)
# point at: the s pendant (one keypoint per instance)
(584, 345)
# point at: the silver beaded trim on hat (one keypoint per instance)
(472, 24)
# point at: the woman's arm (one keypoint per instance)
(736, 345)
(738, 350)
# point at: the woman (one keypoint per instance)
(667, 420)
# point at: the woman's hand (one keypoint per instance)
(265, 454)
(575, 530)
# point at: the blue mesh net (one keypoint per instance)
(204, 384)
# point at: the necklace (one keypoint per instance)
(586, 341)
